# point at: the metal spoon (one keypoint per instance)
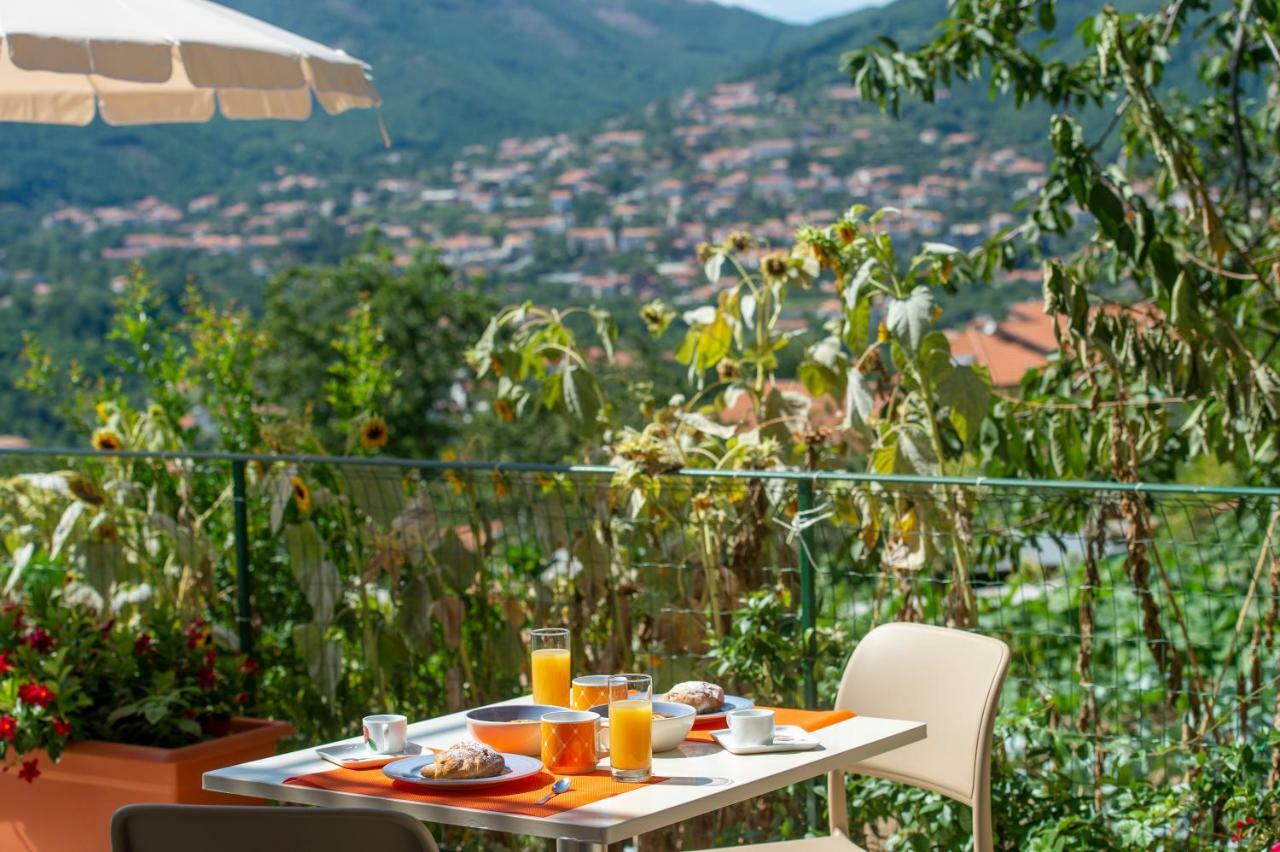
(559, 787)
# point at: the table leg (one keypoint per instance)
(563, 845)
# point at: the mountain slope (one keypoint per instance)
(451, 72)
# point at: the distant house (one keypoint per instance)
(823, 411)
(1024, 339)
(635, 239)
(590, 240)
(561, 200)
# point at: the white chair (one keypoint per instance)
(948, 679)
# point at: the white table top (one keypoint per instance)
(701, 778)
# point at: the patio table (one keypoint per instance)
(700, 778)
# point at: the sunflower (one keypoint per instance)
(106, 440)
(374, 433)
(499, 482)
(504, 410)
(301, 494)
(104, 411)
(86, 491)
(774, 267)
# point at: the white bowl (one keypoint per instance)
(510, 728)
(667, 733)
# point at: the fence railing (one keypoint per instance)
(1141, 617)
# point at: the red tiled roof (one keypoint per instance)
(1022, 340)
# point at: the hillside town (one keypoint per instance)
(615, 212)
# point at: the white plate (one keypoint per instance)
(731, 702)
(360, 756)
(410, 770)
(785, 738)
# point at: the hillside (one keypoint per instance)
(451, 72)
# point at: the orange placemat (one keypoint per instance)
(518, 797)
(810, 720)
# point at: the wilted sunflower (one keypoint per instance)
(704, 251)
(86, 491)
(846, 233)
(500, 489)
(504, 410)
(741, 240)
(728, 370)
(301, 494)
(105, 440)
(657, 315)
(774, 267)
(374, 433)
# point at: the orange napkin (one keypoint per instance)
(810, 720)
(518, 797)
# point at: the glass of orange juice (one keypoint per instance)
(550, 661)
(631, 727)
(593, 691)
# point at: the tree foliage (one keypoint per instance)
(1169, 309)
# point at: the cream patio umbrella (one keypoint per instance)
(159, 61)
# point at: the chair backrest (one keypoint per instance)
(209, 828)
(951, 681)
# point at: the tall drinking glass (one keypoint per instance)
(550, 661)
(631, 727)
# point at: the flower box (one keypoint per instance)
(69, 807)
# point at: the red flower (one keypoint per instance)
(35, 694)
(38, 640)
(8, 728)
(250, 667)
(142, 644)
(205, 678)
(209, 657)
(5, 665)
(242, 698)
(196, 633)
(61, 728)
(29, 772)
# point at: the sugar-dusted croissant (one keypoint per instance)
(465, 760)
(703, 697)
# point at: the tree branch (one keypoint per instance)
(1237, 122)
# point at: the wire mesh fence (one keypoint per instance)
(1141, 619)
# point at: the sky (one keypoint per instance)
(801, 11)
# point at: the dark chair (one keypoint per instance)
(207, 828)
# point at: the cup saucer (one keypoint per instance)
(785, 738)
(359, 756)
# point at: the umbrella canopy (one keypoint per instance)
(156, 61)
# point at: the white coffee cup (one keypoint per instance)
(751, 727)
(386, 734)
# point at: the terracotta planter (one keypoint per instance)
(69, 807)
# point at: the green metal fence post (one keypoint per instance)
(808, 621)
(244, 610)
(807, 594)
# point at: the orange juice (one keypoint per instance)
(551, 676)
(631, 734)
(593, 691)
